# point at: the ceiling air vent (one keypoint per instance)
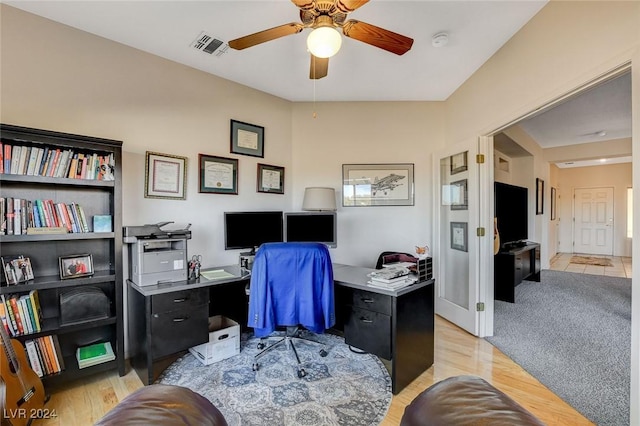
(209, 44)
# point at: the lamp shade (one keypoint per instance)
(324, 42)
(318, 198)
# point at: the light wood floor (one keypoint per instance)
(456, 352)
(621, 266)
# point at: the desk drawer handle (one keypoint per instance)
(366, 300)
(366, 320)
(182, 299)
(180, 319)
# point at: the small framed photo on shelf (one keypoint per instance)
(459, 236)
(218, 175)
(459, 163)
(270, 179)
(247, 139)
(165, 176)
(76, 266)
(17, 269)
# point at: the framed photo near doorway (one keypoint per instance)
(553, 203)
(539, 196)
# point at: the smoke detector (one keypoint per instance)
(440, 40)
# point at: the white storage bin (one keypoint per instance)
(224, 341)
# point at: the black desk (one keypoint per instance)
(395, 325)
(169, 318)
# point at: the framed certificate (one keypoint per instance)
(218, 175)
(270, 179)
(247, 139)
(165, 176)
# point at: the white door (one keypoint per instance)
(593, 227)
(457, 248)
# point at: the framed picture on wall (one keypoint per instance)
(458, 163)
(218, 175)
(366, 185)
(459, 195)
(165, 176)
(539, 196)
(270, 179)
(459, 236)
(553, 203)
(247, 139)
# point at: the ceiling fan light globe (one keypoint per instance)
(324, 42)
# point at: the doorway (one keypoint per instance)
(593, 221)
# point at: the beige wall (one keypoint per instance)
(75, 82)
(369, 132)
(616, 176)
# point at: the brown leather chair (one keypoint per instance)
(164, 405)
(465, 400)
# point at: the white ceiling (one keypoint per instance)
(359, 72)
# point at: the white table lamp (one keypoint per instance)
(318, 198)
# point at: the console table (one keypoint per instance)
(513, 266)
(396, 325)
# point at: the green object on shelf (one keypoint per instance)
(92, 351)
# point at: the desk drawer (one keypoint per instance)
(179, 330)
(372, 301)
(184, 299)
(369, 331)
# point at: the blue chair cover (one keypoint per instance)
(291, 284)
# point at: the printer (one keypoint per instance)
(157, 252)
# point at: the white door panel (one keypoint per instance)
(593, 226)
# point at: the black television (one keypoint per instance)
(316, 227)
(248, 230)
(511, 211)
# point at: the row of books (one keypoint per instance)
(55, 162)
(94, 354)
(44, 354)
(21, 314)
(19, 216)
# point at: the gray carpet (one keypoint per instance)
(573, 333)
(343, 388)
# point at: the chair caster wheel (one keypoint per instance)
(301, 373)
(261, 345)
(255, 367)
(323, 353)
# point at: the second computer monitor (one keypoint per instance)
(318, 227)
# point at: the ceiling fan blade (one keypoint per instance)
(266, 35)
(319, 67)
(378, 37)
(347, 6)
(303, 4)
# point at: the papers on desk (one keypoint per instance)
(394, 285)
(216, 274)
(394, 264)
(391, 278)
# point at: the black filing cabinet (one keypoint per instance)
(161, 325)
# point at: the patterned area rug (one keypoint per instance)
(590, 260)
(343, 388)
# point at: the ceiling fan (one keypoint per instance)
(327, 15)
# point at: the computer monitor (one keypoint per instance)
(248, 230)
(319, 227)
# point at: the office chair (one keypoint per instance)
(394, 256)
(292, 286)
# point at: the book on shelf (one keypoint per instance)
(32, 355)
(97, 353)
(102, 223)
